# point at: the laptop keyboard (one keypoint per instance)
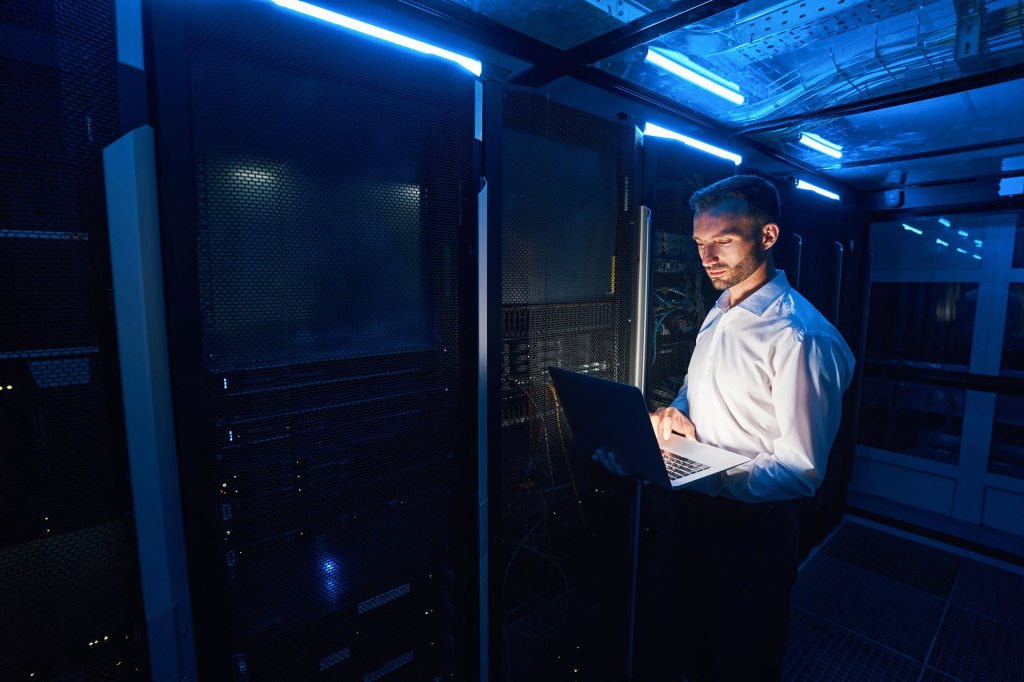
(681, 467)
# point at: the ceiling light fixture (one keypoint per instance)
(658, 131)
(945, 222)
(941, 243)
(678, 65)
(822, 145)
(471, 65)
(803, 184)
(912, 229)
(962, 233)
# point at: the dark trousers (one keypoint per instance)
(714, 588)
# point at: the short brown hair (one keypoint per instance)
(760, 195)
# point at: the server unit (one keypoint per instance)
(70, 595)
(568, 225)
(318, 341)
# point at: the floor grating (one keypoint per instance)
(876, 606)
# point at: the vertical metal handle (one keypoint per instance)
(129, 166)
(795, 282)
(640, 321)
(837, 274)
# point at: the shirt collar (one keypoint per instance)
(760, 300)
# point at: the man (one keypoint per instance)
(765, 380)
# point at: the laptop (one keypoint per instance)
(610, 415)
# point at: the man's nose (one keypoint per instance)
(709, 255)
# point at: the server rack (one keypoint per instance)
(319, 339)
(568, 219)
(831, 262)
(680, 293)
(70, 595)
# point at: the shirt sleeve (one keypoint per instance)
(681, 403)
(812, 373)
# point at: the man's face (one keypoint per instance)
(730, 243)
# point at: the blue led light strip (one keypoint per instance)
(658, 131)
(663, 61)
(822, 145)
(803, 184)
(471, 65)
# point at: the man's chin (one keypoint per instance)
(720, 283)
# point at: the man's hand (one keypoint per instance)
(668, 419)
(609, 461)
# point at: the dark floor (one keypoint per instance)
(870, 605)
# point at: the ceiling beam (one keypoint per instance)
(957, 85)
(977, 146)
(639, 32)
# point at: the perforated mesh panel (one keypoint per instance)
(70, 598)
(331, 174)
(569, 248)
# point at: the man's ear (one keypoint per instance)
(769, 235)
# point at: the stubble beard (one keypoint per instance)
(747, 266)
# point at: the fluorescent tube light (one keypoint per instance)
(658, 131)
(977, 242)
(960, 250)
(945, 222)
(660, 59)
(977, 256)
(962, 233)
(912, 229)
(803, 184)
(941, 243)
(471, 65)
(822, 145)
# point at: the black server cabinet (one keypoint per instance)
(680, 293)
(569, 229)
(70, 593)
(827, 252)
(317, 197)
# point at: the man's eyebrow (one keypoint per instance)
(727, 231)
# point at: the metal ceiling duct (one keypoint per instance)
(798, 56)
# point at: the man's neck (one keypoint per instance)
(740, 292)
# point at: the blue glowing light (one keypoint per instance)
(818, 143)
(962, 233)
(945, 222)
(912, 229)
(960, 250)
(471, 65)
(977, 256)
(658, 131)
(803, 184)
(678, 65)
(941, 243)
(977, 242)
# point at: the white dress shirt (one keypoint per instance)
(766, 380)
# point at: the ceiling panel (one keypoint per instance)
(563, 23)
(975, 164)
(978, 120)
(798, 56)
